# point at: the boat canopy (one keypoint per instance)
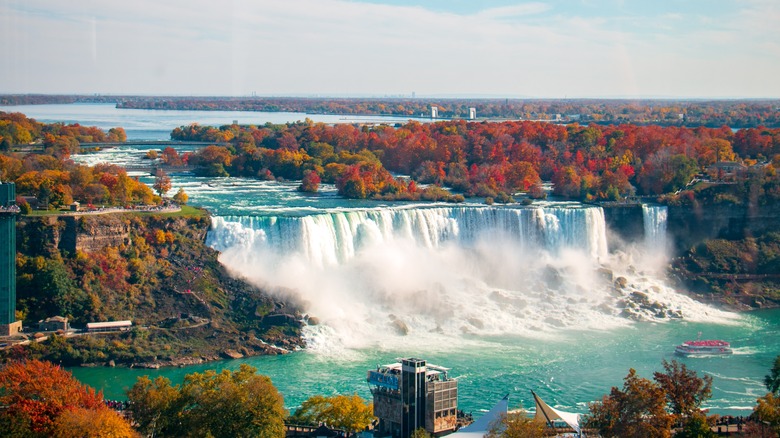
(548, 414)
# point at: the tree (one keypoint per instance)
(636, 411)
(38, 393)
(88, 423)
(516, 425)
(685, 391)
(696, 427)
(162, 182)
(226, 404)
(156, 406)
(180, 197)
(772, 380)
(350, 413)
(310, 183)
(767, 411)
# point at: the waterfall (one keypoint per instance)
(333, 238)
(372, 275)
(654, 217)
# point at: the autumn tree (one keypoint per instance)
(516, 424)
(685, 391)
(310, 183)
(162, 182)
(226, 404)
(350, 413)
(635, 411)
(767, 411)
(180, 197)
(88, 423)
(40, 400)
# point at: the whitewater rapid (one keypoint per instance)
(393, 275)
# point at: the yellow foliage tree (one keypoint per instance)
(347, 412)
(87, 423)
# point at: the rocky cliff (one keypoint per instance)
(688, 225)
(154, 270)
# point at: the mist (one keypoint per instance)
(392, 276)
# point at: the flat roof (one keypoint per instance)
(430, 368)
(109, 324)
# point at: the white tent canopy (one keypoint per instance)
(548, 414)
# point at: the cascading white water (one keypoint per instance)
(373, 275)
(654, 217)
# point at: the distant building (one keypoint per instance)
(8, 211)
(411, 395)
(434, 112)
(472, 113)
(75, 206)
(53, 324)
(726, 170)
(109, 326)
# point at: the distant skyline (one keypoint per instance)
(540, 49)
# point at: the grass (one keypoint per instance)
(186, 211)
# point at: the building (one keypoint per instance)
(412, 394)
(109, 326)
(472, 113)
(53, 324)
(8, 211)
(434, 112)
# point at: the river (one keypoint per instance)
(510, 298)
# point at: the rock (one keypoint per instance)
(621, 282)
(605, 273)
(640, 298)
(281, 319)
(400, 327)
(476, 323)
(111, 363)
(232, 354)
(313, 320)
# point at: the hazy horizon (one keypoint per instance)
(554, 49)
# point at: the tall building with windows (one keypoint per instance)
(8, 211)
(412, 394)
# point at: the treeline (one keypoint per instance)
(490, 159)
(41, 399)
(691, 113)
(302, 152)
(36, 157)
(736, 114)
(58, 139)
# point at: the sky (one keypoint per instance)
(444, 48)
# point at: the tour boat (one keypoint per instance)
(703, 347)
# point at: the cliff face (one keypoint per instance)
(156, 271)
(625, 223)
(690, 225)
(93, 233)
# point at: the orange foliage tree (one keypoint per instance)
(38, 393)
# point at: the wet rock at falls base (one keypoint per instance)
(399, 326)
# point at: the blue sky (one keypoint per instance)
(544, 49)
